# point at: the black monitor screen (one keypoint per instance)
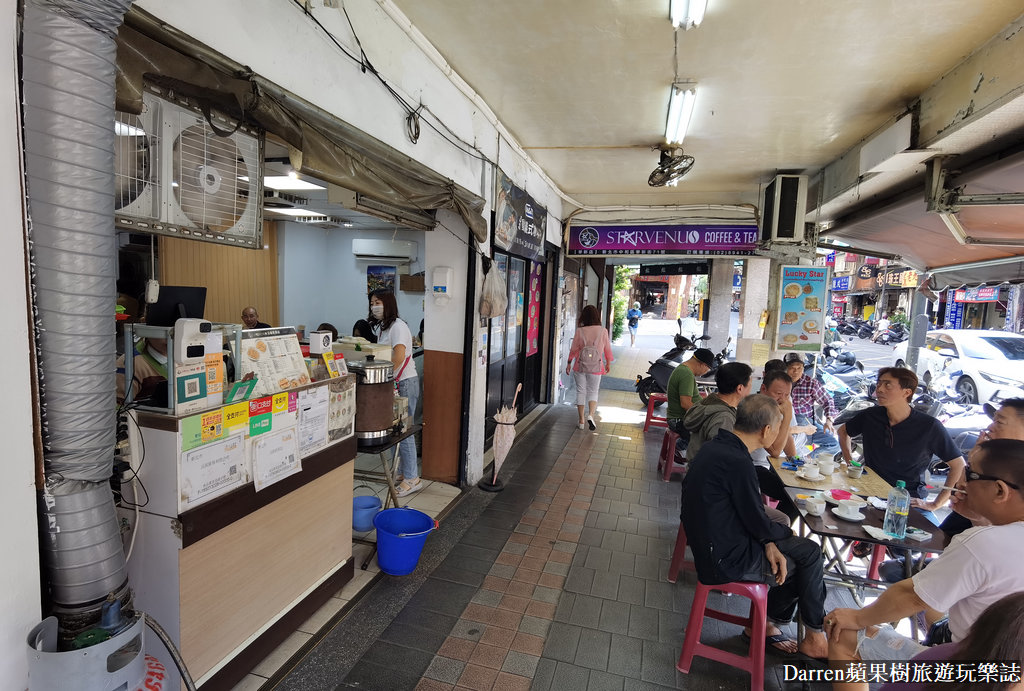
(176, 302)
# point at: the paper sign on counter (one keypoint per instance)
(275, 457)
(211, 470)
(313, 408)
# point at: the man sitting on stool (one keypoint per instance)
(732, 538)
(682, 388)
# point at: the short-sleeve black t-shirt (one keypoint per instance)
(903, 451)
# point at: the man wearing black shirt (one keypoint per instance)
(899, 442)
(732, 539)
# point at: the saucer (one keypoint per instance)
(856, 518)
(800, 474)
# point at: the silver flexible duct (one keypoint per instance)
(69, 55)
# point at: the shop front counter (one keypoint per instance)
(244, 528)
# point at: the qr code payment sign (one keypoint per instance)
(192, 388)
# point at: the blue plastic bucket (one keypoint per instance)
(400, 537)
(364, 508)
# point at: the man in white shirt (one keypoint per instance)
(881, 327)
(980, 566)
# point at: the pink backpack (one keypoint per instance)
(590, 359)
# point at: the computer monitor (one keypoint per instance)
(176, 302)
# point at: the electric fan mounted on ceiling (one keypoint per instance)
(672, 165)
(177, 175)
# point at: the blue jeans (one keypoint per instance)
(821, 439)
(407, 466)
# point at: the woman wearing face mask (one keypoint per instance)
(395, 332)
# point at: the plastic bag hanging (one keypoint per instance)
(494, 295)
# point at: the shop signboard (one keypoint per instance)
(830, 259)
(983, 294)
(802, 308)
(954, 311)
(841, 283)
(908, 279)
(520, 222)
(867, 277)
(715, 240)
(683, 269)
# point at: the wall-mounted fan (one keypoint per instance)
(175, 175)
(672, 165)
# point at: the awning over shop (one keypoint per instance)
(906, 228)
(331, 150)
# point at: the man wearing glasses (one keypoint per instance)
(980, 566)
(899, 442)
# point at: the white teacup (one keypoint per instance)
(811, 472)
(815, 506)
(850, 507)
(855, 471)
(827, 467)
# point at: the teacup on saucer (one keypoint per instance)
(849, 516)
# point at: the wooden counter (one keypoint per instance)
(231, 578)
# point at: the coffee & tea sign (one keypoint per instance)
(800, 318)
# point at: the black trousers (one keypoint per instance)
(804, 588)
(771, 484)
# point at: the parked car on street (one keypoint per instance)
(987, 361)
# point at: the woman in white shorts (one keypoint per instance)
(589, 357)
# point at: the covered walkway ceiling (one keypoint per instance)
(782, 86)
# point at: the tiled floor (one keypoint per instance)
(558, 582)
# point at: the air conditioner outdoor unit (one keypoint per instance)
(399, 251)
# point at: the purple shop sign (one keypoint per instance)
(663, 239)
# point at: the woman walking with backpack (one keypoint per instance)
(591, 351)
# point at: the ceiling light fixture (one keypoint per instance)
(687, 13)
(680, 109)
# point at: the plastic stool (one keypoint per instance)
(679, 560)
(670, 460)
(653, 420)
(757, 621)
(768, 501)
(877, 557)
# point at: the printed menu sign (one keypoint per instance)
(801, 314)
(276, 359)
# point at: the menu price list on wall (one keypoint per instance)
(275, 357)
(800, 317)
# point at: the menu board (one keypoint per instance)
(801, 313)
(275, 357)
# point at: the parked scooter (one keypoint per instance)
(721, 357)
(661, 369)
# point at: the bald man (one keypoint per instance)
(251, 319)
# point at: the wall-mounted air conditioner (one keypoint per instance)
(397, 251)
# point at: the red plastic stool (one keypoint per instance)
(757, 621)
(653, 420)
(670, 460)
(679, 560)
(877, 557)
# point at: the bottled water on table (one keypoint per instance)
(896, 511)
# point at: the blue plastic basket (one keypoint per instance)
(401, 534)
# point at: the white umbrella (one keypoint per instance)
(504, 435)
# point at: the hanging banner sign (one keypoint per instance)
(830, 259)
(715, 240)
(977, 295)
(519, 222)
(841, 283)
(954, 311)
(687, 269)
(840, 299)
(867, 277)
(800, 320)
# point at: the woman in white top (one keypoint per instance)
(395, 332)
(591, 350)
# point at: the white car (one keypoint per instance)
(989, 361)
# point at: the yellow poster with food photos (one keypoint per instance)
(800, 316)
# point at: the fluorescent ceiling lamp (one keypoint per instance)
(296, 212)
(687, 13)
(287, 182)
(680, 109)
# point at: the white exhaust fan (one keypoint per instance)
(176, 176)
(395, 251)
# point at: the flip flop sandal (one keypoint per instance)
(770, 641)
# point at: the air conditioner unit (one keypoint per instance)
(398, 251)
(176, 176)
(783, 209)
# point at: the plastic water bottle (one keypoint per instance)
(896, 511)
